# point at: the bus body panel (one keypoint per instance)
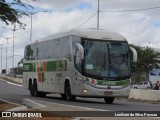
(52, 73)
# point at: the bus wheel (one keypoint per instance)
(42, 94)
(36, 93)
(63, 96)
(31, 89)
(109, 100)
(68, 95)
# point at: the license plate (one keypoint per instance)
(108, 93)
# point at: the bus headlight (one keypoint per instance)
(85, 91)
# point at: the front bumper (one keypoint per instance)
(97, 92)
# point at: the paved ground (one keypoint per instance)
(4, 105)
(20, 81)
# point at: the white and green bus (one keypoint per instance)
(79, 63)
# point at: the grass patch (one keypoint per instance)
(9, 80)
(6, 106)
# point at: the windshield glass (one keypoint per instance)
(105, 59)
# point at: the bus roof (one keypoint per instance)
(87, 33)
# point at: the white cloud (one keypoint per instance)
(55, 4)
(137, 27)
(105, 5)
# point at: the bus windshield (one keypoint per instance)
(106, 59)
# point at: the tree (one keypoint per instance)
(11, 11)
(146, 56)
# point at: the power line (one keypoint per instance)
(87, 20)
(133, 10)
(25, 43)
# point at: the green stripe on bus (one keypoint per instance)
(114, 83)
(29, 67)
(108, 82)
(51, 66)
(58, 65)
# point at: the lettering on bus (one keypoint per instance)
(109, 83)
(26, 67)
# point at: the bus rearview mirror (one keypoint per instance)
(134, 54)
(81, 49)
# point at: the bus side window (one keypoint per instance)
(78, 61)
(66, 50)
(29, 53)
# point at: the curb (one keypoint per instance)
(143, 94)
(12, 82)
(16, 108)
(32, 104)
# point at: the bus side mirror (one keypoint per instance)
(134, 54)
(81, 49)
(20, 62)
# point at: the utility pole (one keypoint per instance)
(31, 14)
(1, 57)
(14, 29)
(6, 53)
(6, 48)
(98, 16)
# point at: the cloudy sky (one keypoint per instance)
(137, 20)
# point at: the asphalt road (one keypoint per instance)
(15, 94)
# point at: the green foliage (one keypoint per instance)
(146, 56)
(11, 11)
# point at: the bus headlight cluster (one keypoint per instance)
(83, 81)
(85, 91)
(92, 81)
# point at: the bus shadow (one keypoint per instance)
(77, 100)
(57, 98)
(83, 100)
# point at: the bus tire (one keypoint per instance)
(31, 89)
(42, 94)
(109, 100)
(68, 95)
(35, 91)
(63, 96)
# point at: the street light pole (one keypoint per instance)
(6, 49)
(32, 13)
(6, 53)
(14, 29)
(98, 16)
(31, 28)
(1, 56)
(13, 51)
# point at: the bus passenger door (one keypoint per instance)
(78, 71)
